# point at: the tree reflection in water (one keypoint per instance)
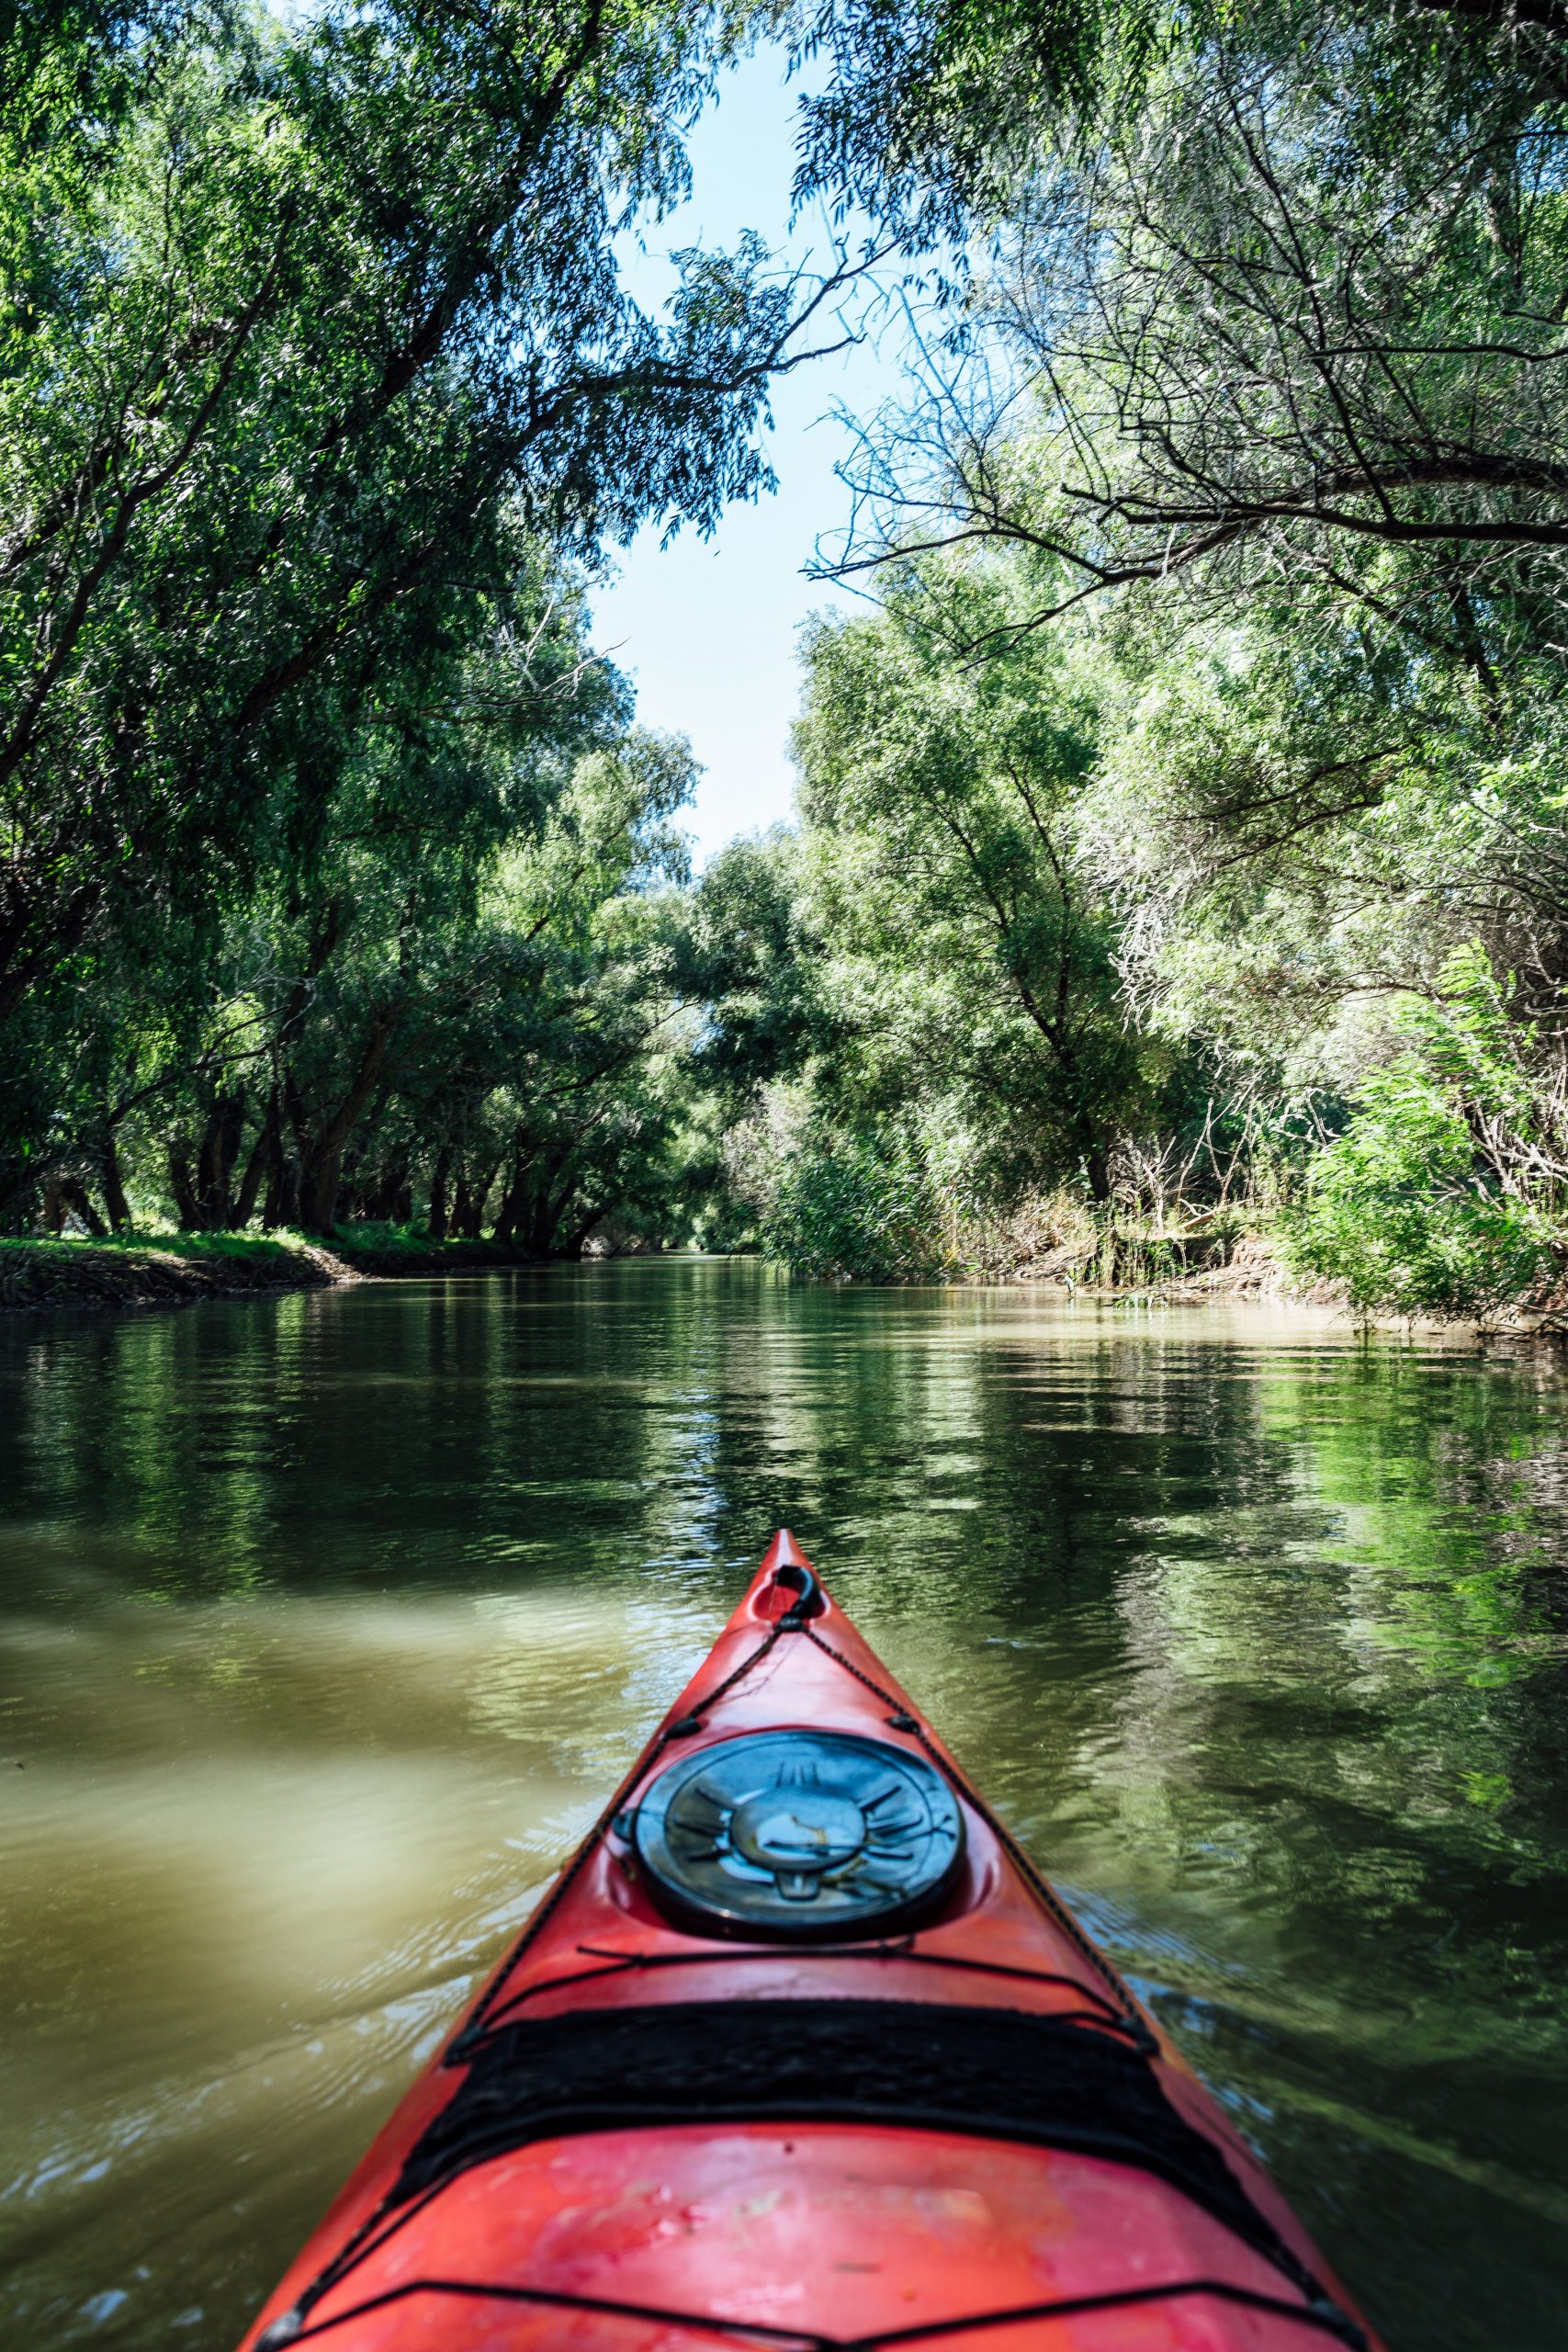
(329, 1622)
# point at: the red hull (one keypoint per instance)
(801, 2229)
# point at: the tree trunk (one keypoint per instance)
(262, 1161)
(215, 1160)
(283, 1191)
(182, 1188)
(390, 1202)
(113, 1183)
(474, 1225)
(438, 1183)
(74, 1194)
(574, 1247)
(511, 1207)
(554, 1204)
(321, 1172)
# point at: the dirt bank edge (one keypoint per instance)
(44, 1277)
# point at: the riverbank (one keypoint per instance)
(180, 1269)
(1058, 1237)
(39, 1276)
(80, 1274)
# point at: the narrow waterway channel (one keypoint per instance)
(325, 1625)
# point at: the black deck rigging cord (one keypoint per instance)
(687, 1726)
(1104, 2014)
(1325, 2316)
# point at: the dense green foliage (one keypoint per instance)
(1418, 1207)
(866, 1209)
(1198, 793)
(323, 834)
(1181, 836)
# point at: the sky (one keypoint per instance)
(706, 630)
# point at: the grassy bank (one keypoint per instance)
(1363, 1230)
(178, 1269)
(166, 1269)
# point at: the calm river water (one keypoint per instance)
(325, 1626)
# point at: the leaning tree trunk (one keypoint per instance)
(113, 1182)
(184, 1189)
(262, 1162)
(438, 1195)
(323, 1169)
(217, 1152)
(78, 1200)
(283, 1197)
(510, 1207)
(386, 1203)
(472, 1224)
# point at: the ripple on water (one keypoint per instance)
(326, 1625)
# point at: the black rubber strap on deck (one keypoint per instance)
(989, 2074)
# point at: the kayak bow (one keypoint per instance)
(799, 2051)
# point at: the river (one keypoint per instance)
(326, 1625)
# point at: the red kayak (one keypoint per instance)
(800, 2051)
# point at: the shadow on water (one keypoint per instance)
(325, 1625)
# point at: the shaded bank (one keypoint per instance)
(1193, 1268)
(179, 1270)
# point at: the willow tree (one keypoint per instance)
(970, 947)
(1261, 368)
(304, 324)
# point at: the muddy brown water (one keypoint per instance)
(326, 1625)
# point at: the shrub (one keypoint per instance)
(1408, 1209)
(862, 1209)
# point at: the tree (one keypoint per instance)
(936, 110)
(748, 956)
(310, 327)
(551, 1074)
(974, 952)
(1289, 324)
(477, 961)
(1261, 368)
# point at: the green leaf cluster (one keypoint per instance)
(863, 1208)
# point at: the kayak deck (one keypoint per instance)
(799, 2049)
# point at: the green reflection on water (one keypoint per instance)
(326, 1625)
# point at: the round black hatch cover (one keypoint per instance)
(798, 1834)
